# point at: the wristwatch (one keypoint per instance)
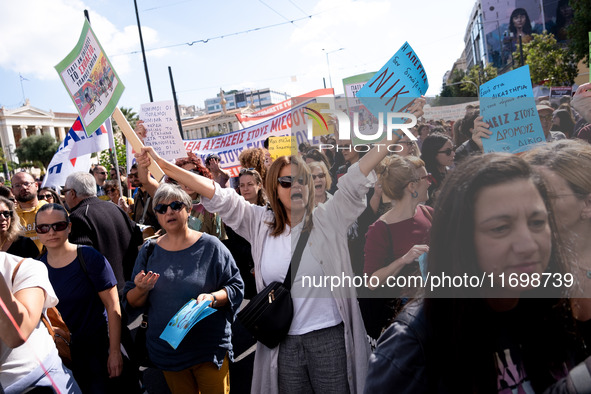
(215, 300)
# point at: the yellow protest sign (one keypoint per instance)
(282, 146)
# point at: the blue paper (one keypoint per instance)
(401, 80)
(507, 104)
(182, 322)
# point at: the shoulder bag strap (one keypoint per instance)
(296, 257)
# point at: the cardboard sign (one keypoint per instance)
(162, 129)
(507, 104)
(90, 80)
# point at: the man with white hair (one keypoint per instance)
(102, 225)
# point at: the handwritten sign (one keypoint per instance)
(182, 322)
(282, 146)
(91, 80)
(162, 129)
(392, 89)
(507, 104)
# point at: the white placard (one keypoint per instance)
(163, 131)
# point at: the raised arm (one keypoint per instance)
(198, 183)
(378, 152)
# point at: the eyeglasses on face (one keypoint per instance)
(447, 152)
(163, 208)
(132, 175)
(6, 214)
(108, 191)
(44, 228)
(286, 181)
(428, 177)
(45, 196)
(322, 175)
(23, 184)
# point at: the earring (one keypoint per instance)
(414, 194)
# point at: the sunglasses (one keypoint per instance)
(428, 177)
(132, 175)
(44, 228)
(45, 196)
(286, 181)
(110, 191)
(102, 173)
(246, 171)
(319, 176)
(6, 214)
(163, 208)
(447, 152)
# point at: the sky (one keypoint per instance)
(286, 45)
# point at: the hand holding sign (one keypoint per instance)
(480, 131)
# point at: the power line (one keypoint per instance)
(296, 6)
(272, 9)
(167, 5)
(206, 40)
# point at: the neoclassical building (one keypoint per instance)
(19, 123)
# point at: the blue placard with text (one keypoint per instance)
(507, 104)
(399, 81)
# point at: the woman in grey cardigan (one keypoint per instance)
(326, 349)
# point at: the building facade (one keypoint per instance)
(23, 122)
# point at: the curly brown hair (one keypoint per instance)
(196, 161)
(254, 158)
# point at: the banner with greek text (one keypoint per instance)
(91, 80)
(229, 146)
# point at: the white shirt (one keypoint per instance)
(19, 362)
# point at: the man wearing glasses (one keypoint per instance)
(100, 176)
(24, 189)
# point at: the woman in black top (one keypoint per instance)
(11, 235)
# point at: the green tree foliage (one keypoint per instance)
(105, 156)
(549, 63)
(578, 30)
(37, 148)
(463, 85)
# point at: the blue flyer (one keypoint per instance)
(507, 104)
(180, 324)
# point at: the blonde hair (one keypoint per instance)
(322, 166)
(396, 172)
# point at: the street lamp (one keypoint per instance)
(457, 83)
(328, 64)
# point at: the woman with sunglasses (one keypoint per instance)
(396, 241)
(326, 349)
(12, 239)
(88, 302)
(438, 154)
(49, 195)
(112, 191)
(322, 182)
(185, 264)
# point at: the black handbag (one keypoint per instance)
(268, 315)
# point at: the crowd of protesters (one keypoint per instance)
(439, 206)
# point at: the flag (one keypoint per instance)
(73, 154)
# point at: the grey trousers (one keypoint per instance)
(315, 362)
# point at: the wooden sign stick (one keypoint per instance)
(135, 142)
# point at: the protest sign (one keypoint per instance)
(162, 129)
(559, 91)
(182, 322)
(401, 80)
(91, 80)
(507, 104)
(282, 146)
(135, 142)
(229, 146)
(73, 153)
(447, 112)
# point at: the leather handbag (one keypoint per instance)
(268, 315)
